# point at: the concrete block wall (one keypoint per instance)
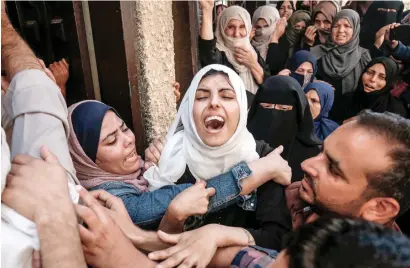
(155, 51)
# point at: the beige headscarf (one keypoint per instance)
(262, 37)
(228, 44)
(329, 9)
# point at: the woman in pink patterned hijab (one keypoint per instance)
(102, 147)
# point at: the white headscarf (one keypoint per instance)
(262, 37)
(228, 44)
(185, 148)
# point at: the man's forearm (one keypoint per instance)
(58, 233)
(16, 55)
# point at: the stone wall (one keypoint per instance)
(155, 51)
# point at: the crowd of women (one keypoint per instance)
(270, 91)
(352, 53)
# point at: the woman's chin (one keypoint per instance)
(130, 168)
(126, 172)
(215, 140)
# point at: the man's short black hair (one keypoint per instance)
(340, 243)
(394, 182)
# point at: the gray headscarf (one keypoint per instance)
(346, 61)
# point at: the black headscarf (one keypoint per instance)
(280, 3)
(300, 6)
(360, 7)
(278, 127)
(375, 19)
(377, 101)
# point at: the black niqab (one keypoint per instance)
(374, 19)
(280, 3)
(293, 129)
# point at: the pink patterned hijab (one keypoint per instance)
(88, 173)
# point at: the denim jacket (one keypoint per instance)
(402, 52)
(147, 208)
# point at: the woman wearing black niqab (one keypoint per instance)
(272, 120)
(379, 14)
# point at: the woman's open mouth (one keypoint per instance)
(368, 88)
(214, 123)
(132, 157)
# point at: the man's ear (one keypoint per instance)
(380, 210)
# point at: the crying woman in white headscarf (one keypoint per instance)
(230, 45)
(209, 134)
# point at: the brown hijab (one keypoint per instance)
(329, 9)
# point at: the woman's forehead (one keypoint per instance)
(110, 121)
(235, 21)
(378, 67)
(216, 81)
(320, 15)
(262, 21)
(306, 65)
(343, 20)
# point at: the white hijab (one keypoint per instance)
(228, 44)
(185, 148)
(262, 37)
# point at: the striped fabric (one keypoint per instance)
(254, 257)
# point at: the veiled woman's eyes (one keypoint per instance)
(267, 105)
